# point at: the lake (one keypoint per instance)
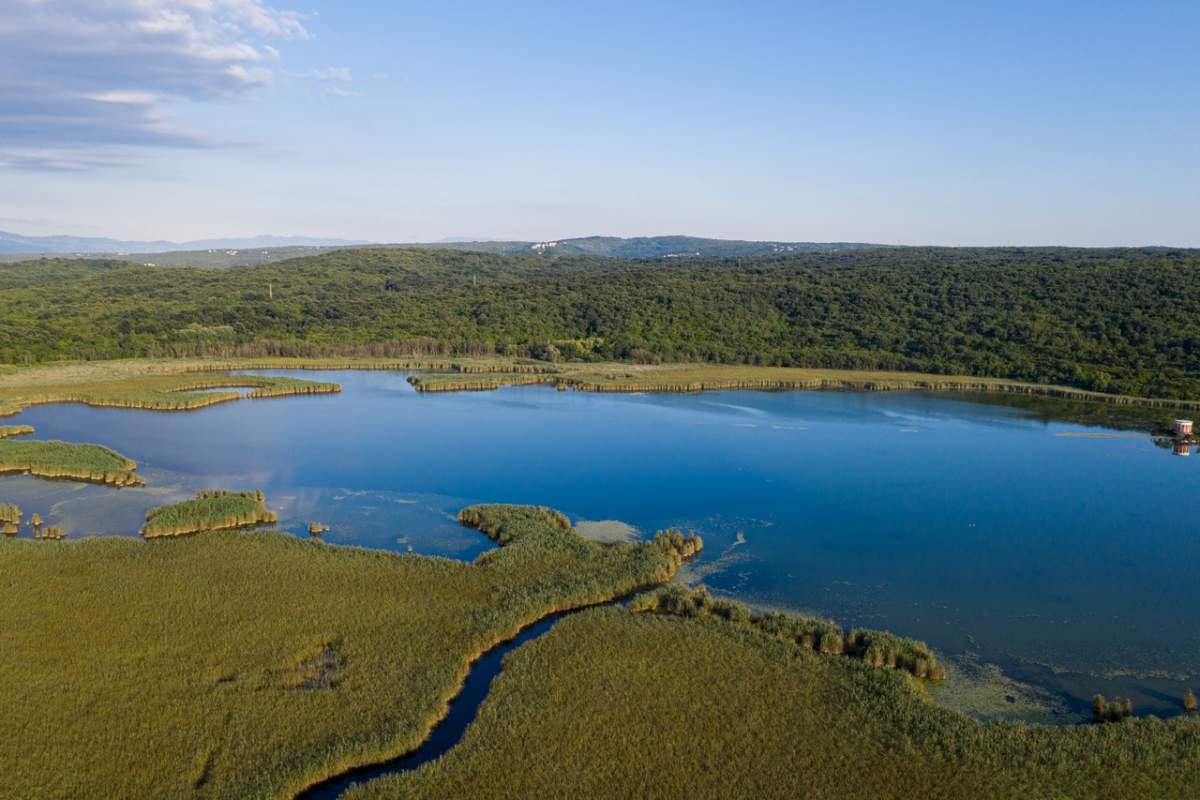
(1067, 556)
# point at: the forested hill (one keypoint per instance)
(1124, 321)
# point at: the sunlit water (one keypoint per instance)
(1070, 561)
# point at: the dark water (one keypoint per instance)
(1070, 561)
(463, 709)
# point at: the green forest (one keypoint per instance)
(1124, 321)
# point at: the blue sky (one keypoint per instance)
(942, 123)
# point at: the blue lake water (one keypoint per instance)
(1070, 561)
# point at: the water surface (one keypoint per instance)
(1067, 559)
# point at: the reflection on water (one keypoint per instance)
(1063, 553)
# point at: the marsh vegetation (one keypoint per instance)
(91, 463)
(266, 662)
(616, 704)
(874, 648)
(209, 511)
(10, 519)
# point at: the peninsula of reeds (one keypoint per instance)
(91, 463)
(208, 511)
(874, 648)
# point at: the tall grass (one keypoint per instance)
(591, 377)
(874, 648)
(10, 519)
(68, 460)
(152, 386)
(251, 665)
(613, 704)
(208, 511)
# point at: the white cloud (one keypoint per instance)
(337, 91)
(335, 74)
(85, 82)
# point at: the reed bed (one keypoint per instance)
(874, 648)
(691, 378)
(8, 431)
(151, 389)
(91, 463)
(614, 704)
(185, 384)
(10, 519)
(208, 511)
(261, 663)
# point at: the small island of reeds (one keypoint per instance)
(208, 511)
(91, 463)
(8, 431)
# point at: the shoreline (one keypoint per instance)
(164, 384)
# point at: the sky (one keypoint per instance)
(951, 123)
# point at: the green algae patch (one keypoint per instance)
(91, 463)
(614, 704)
(252, 666)
(208, 511)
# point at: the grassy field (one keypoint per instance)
(614, 704)
(54, 459)
(208, 511)
(253, 664)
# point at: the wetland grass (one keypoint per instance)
(141, 384)
(666, 378)
(208, 511)
(10, 519)
(51, 533)
(614, 704)
(8, 431)
(874, 648)
(228, 665)
(91, 463)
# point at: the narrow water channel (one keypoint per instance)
(462, 711)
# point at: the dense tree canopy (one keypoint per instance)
(1113, 320)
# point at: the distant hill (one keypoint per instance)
(220, 253)
(84, 245)
(644, 247)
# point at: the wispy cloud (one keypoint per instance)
(328, 75)
(84, 83)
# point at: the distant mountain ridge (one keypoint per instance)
(266, 249)
(643, 246)
(17, 243)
